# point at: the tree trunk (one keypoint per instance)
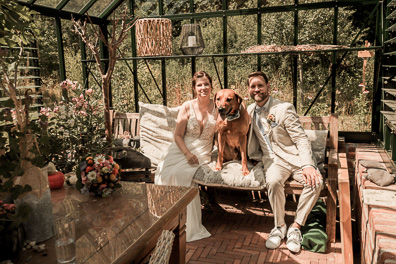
(106, 101)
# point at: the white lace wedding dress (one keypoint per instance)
(173, 169)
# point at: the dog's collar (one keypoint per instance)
(234, 116)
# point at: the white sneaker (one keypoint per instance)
(275, 237)
(294, 239)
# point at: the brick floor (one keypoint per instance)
(240, 225)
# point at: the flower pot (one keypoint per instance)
(56, 180)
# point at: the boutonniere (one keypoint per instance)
(271, 120)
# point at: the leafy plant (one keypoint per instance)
(75, 126)
(16, 24)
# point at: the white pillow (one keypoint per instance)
(318, 140)
(231, 176)
(157, 127)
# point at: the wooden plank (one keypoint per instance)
(344, 197)
(332, 196)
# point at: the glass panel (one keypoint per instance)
(176, 7)
(178, 81)
(238, 69)
(212, 33)
(147, 8)
(243, 4)
(242, 33)
(75, 5)
(278, 2)
(99, 7)
(147, 83)
(271, 25)
(207, 5)
(277, 68)
(316, 26)
(206, 64)
(49, 3)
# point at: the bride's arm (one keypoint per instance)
(181, 125)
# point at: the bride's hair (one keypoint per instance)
(198, 75)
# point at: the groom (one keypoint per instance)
(277, 138)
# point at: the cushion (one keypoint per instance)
(372, 164)
(318, 140)
(231, 176)
(377, 172)
(157, 126)
(380, 177)
(129, 158)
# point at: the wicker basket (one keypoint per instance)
(154, 37)
(163, 249)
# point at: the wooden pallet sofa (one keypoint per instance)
(153, 127)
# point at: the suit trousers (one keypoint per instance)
(276, 175)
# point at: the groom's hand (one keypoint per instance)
(311, 176)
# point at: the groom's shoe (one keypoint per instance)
(294, 239)
(275, 237)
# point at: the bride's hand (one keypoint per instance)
(191, 158)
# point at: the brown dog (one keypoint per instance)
(232, 128)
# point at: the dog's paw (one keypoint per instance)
(218, 167)
(245, 172)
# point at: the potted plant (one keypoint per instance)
(21, 179)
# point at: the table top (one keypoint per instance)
(116, 228)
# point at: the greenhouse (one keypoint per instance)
(196, 131)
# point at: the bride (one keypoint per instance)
(194, 134)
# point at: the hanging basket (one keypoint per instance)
(154, 37)
(191, 41)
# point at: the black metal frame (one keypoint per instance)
(102, 21)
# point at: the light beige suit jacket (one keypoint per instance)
(288, 139)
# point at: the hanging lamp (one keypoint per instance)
(191, 41)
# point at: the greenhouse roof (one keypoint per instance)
(98, 10)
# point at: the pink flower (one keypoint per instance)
(45, 111)
(366, 91)
(309, 97)
(89, 91)
(246, 98)
(275, 91)
(362, 85)
(271, 118)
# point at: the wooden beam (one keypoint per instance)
(344, 198)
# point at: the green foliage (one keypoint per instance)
(75, 126)
(16, 24)
(315, 27)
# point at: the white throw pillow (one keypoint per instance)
(157, 127)
(231, 176)
(318, 140)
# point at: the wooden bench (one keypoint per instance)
(130, 122)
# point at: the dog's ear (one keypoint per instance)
(239, 98)
(214, 100)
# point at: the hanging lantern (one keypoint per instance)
(154, 37)
(191, 41)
